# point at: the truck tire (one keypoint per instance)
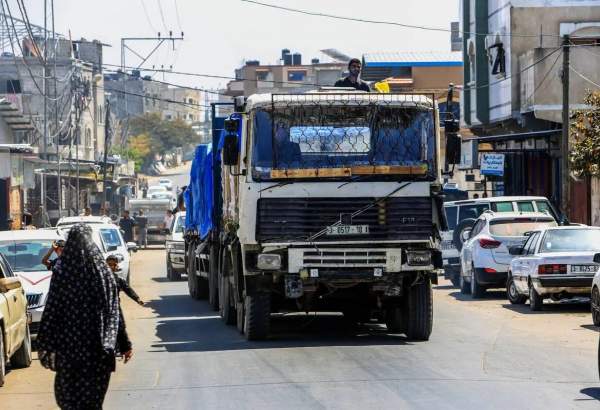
(22, 357)
(241, 316)
(420, 311)
(171, 274)
(257, 316)
(197, 286)
(213, 279)
(2, 358)
(227, 310)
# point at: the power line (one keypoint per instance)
(154, 30)
(583, 76)
(177, 15)
(535, 90)
(162, 16)
(389, 23)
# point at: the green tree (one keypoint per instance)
(164, 134)
(585, 130)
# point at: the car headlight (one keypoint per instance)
(268, 261)
(418, 258)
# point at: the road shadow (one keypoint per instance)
(445, 287)
(551, 308)
(592, 392)
(488, 295)
(187, 325)
(591, 327)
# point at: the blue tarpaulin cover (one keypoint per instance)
(199, 193)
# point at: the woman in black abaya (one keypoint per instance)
(81, 331)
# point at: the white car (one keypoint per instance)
(24, 251)
(156, 189)
(461, 216)
(69, 221)
(167, 183)
(554, 262)
(595, 299)
(484, 258)
(165, 195)
(175, 246)
(110, 242)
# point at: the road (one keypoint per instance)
(482, 354)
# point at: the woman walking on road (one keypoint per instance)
(80, 333)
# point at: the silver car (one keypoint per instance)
(175, 246)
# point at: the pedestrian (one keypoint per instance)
(141, 222)
(57, 248)
(122, 285)
(126, 223)
(80, 331)
(353, 79)
(168, 219)
(87, 211)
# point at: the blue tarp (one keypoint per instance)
(199, 193)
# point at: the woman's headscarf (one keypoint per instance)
(81, 317)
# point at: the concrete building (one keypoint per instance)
(290, 76)
(512, 98)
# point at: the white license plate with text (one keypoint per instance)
(584, 268)
(341, 230)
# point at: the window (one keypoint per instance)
(262, 75)
(296, 75)
(477, 228)
(531, 244)
(471, 211)
(110, 237)
(499, 59)
(451, 212)
(502, 207)
(88, 137)
(5, 271)
(571, 240)
(26, 256)
(518, 227)
(13, 87)
(525, 206)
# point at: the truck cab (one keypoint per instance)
(324, 201)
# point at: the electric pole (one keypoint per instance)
(565, 191)
(106, 145)
(43, 187)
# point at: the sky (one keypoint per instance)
(219, 35)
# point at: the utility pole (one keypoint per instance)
(43, 192)
(106, 144)
(565, 191)
(160, 40)
(57, 126)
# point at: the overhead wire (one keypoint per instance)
(152, 27)
(162, 16)
(535, 90)
(583, 76)
(177, 15)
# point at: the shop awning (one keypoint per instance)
(515, 136)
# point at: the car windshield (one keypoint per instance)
(26, 256)
(571, 240)
(179, 224)
(110, 237)
(518, 227)
(336, 141)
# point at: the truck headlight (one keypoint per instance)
(418, 258)
(268, 261)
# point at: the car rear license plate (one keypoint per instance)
(584, 268)
(341, 230)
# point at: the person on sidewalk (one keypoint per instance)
(126, 223)
(80, 331)
(141, 221)
(353, 80)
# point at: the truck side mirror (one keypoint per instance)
(453, 142)
(231, 152)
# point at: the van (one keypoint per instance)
(461, 215)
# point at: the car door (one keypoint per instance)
(527, 262)
(16, 325)
(468, 246)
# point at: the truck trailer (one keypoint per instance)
(324, 201)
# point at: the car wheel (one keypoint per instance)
(513, 294)
(2, 359)
(22, 357)
(477, 291)
(596, 306)
(455, 279)
(459, 232)
(536, 301)
(465, 287)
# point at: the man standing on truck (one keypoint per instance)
(126, 224)
(353, 80)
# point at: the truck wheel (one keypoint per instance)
(172, 274)
(2, 358)
(536, 301)
(258, 316)
(477, 291)
(197, 286)
(420, 311)
(513, 294)
(22, 357)
(228, 313)
(213, 279)
(394, 319)
(241, 314)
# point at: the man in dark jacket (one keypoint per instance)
(353, 80)
(126, 224)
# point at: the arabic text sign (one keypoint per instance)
(492, 164)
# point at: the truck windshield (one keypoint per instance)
(310, 141)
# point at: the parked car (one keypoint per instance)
(484, 258)
(155, 189)
(175, 246)
(554, 262)
(461, 216)
(24, 251)
(595, 298)
(15, 340)
(166, 195)
(67, 222)
(110, 241)
(155, 210)
(167, 183)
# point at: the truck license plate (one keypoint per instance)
(341, 230)
(584, 268)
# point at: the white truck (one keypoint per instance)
(324, 201)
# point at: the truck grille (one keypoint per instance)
(353, 258)
(34, 300)
(296, 219)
